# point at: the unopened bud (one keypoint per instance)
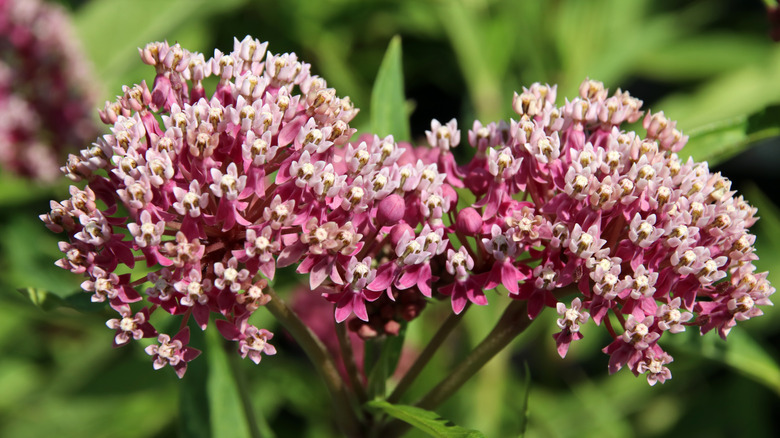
(391, 210)
(398, 231)
(469, 221)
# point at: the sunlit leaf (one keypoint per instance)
(112, 30)
(426, 421)
(525, 407)
(388, 107)
(702, 56)
(227, 413)
(747, 356)
(718, 141)
(194, 416)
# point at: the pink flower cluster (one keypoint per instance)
(46, 96)
(216, 191)
(566, 199)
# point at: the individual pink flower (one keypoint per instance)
(569, 323)
(173, 351)
(131, 326)
(254, 341)
(466, 288)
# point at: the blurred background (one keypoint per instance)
(710, 65)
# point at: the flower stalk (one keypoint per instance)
(348, 358)
(512, 323)
(425, 356)
(322, 361)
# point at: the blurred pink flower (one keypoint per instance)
(46, 92)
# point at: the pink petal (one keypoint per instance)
(458, 301)
(476, 296)
(384, 277)
(183, 336)
(180, 369)
(201, 314)
(290, 255)
(290, 131)
(343, 308)
(228, 330)
(268, 269)
(359, 307)
(509, 277)
(318, 273)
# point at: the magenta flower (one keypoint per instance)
(173, 352)
(569, 323)
(216, 189)
(466, 288)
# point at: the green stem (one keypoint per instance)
(318, 355)
(430, 349)
(258, 427)
(348, 357)
(513, 322)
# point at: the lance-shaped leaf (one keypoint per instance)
(388, 104)
(426, 421)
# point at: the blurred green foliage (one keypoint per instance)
(708, 64)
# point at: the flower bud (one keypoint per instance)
(469, 222)
(391, 210)
(392, 327)
(398, 231)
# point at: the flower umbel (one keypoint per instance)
(214, 191)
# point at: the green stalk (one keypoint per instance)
(258, 427)
(344, 411)
(513, 322)
(430, 349)
(348, 357)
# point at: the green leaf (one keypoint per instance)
(227, 417)
(112, 30)
(767, 232)
(388, 104)
(424, 420)
(391, 351)
(703, 56)
(29, 253)
(382, 364)
(525, 407)
(41, 298)
(718, 141)
(741, 352)
(466, 30)
(374, 360)
(194, 415)
(16, 190)
(48, 301)
(746, 355)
